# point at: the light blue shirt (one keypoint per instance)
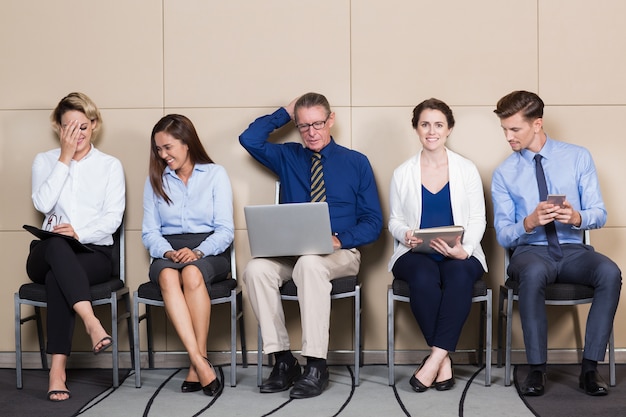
(569, 170)
(204, 205)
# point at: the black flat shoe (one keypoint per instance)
(592, 383)
(534, 384)
(448, 383)
(416, 383)
(214, 387)
(189, 386)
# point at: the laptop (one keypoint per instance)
(289, 229)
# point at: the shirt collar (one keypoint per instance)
(545, 152)
(196, 167)
(327, 150)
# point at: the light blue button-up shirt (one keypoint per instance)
(204, 205)
(569, 170)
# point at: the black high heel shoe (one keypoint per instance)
(190, 386)
(416, 383)
(448, 383)
(214, 387)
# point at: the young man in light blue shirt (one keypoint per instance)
(546, 239)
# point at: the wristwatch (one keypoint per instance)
(198, 254)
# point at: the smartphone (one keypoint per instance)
(556, 199)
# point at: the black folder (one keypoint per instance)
(44, 234)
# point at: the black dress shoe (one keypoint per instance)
(417, 385)
(282, 377)
(533, 385)
(189, 386)
(310, 384)
(214, 387)
(448, 383)
(593, 384)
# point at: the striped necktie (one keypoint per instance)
(318, 188)
(554, 248)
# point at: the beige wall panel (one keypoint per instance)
(594, 128)
(126, 136)
(110, 50)
(242, 53)
(581, 57)
(467, 52)
(22, 135)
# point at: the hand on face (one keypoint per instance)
(68, 136)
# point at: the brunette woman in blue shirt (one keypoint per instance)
(187, 228)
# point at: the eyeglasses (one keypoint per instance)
(304, 127)
(53, 221)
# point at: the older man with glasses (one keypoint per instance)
(321, 170)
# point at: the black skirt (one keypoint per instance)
(213, 268)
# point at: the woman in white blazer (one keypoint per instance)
(437, 187)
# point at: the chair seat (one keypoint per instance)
(559, 291)
(37, 292)
(401, 288)
(340, 286)
(220, 289)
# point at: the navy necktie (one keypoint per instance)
(554, 248)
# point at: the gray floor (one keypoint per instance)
(160, 396)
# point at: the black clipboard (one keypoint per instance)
(44, 234)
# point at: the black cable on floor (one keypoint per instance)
(467, 386)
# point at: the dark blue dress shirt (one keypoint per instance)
(351, 192)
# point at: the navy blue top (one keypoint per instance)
(351, 192)
(436, 211)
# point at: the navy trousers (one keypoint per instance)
(440, 294)
(67, 276)
(534, 268)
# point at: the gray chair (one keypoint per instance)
(110, 292)
(343, 287)
(556, 294)
(221, 292)
(399, 291)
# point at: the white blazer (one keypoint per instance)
(466, 195)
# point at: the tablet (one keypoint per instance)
(448, 233)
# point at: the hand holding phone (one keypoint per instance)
(556, 199)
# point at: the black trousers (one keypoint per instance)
(67, 276)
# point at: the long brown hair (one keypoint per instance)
(181, 128)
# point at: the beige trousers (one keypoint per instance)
(312, 274)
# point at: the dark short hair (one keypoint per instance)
(311, 100)
(530, 104)
(433, 104)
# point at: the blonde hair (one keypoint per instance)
(78, 102)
